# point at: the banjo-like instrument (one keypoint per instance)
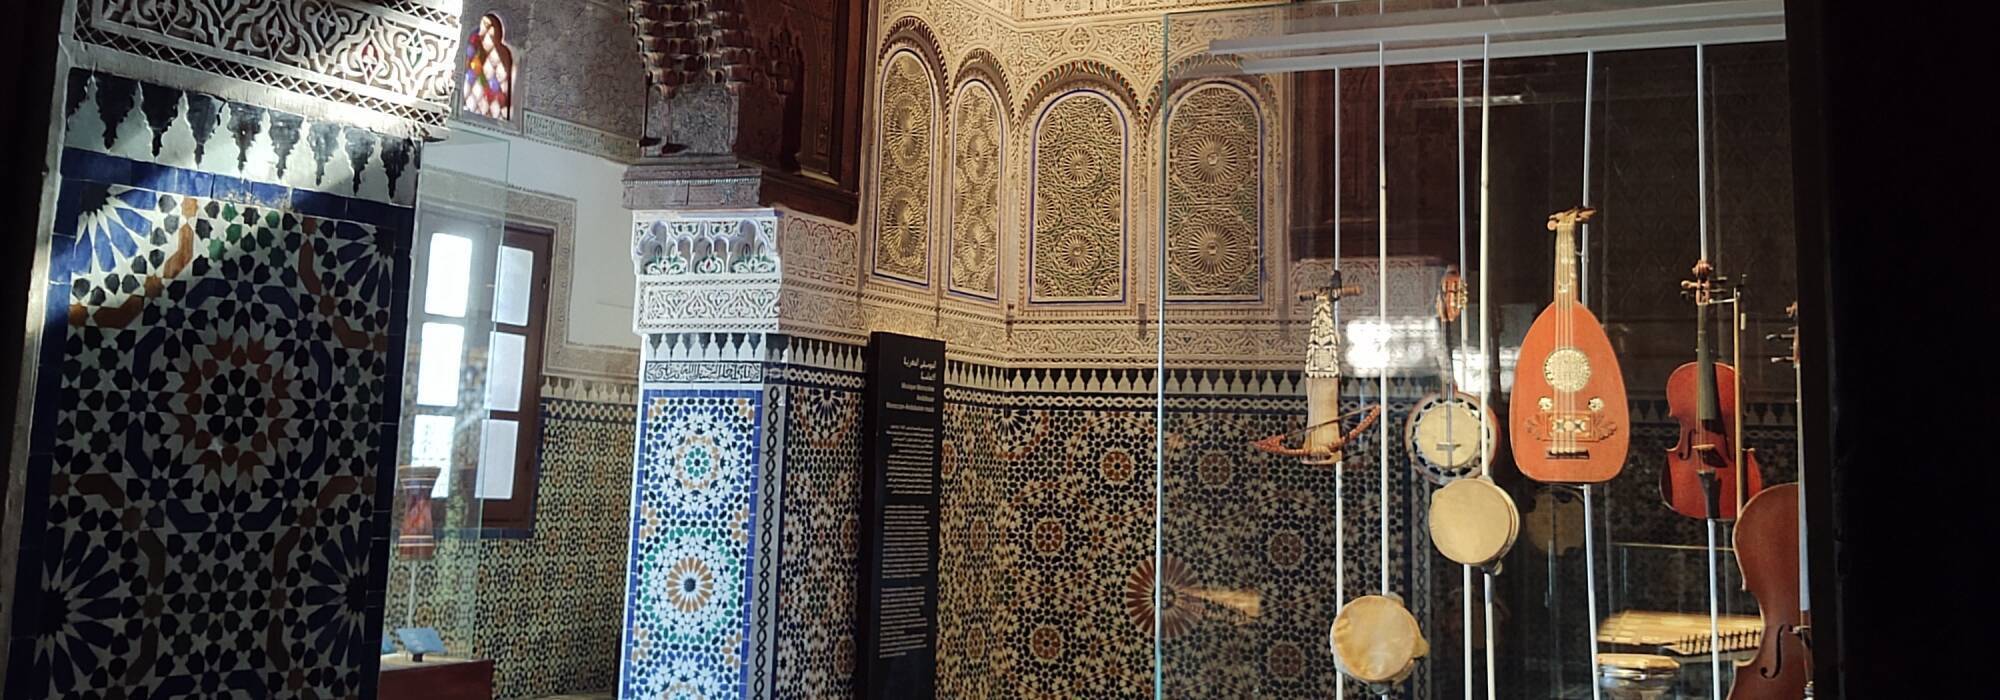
(1472, 521)
(1446, 428)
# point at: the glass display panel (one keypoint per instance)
(1481, 226)
(436, 513)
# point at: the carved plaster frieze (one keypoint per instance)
(705, 271)
(386, 65)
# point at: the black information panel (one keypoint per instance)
(903, 438)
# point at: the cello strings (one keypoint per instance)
(1589, 523)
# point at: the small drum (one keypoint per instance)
(1473, 522)
(1636, 676)
(1375, 640)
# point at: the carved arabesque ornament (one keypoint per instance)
(903, 172)
(977, 135)
(1078, 230)
(391, 58)
(1214, 183)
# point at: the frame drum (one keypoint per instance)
(1473, 522)
(1375, 640)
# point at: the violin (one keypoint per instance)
(1694, 482)
(1770, 549)
(1567, 416)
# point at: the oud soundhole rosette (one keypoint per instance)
(1566, 369)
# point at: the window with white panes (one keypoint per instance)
(509, 468)
(509, 405)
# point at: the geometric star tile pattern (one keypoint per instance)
(686, 627)
(209, 437)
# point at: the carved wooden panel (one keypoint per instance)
(1215, 181)
(903, 172)
(977, 132)
(1078, 227)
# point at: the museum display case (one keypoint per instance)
(1477, 377)
(459, 291)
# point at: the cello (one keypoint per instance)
(1566, 419)
(1692, 484)
(1770, 549)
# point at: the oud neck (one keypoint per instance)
(1566, 262)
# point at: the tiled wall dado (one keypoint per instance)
(214, 420)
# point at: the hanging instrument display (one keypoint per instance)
(1321, 441)
(1709, 472)
(1376, 640)
(1472, 521)
(1446, 428)
(1770, 549)
(1567, 417)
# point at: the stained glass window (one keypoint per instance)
(489, 70)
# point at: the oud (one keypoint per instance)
(1568, 415)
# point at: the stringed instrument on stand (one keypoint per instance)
(1770, 549)
(1567, 419)
(1471, 520)
(1709, 473)
(1323, 438)
(1446, 429)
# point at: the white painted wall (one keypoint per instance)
(600, 300)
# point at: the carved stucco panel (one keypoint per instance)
(978, 130)
(1215, 181)
(905, 160)
(1077, 253)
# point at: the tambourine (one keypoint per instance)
(1375, 640)
(1474, 522)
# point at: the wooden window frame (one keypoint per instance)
(515, 517)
